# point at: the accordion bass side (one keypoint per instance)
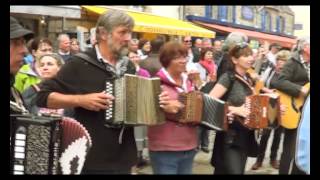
(264, 111)
(191, 113)
(48, 145)
(136, 101)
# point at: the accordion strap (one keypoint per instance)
(245, 82)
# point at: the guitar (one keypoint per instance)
(290, 118)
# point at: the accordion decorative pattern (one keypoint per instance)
(48, 145)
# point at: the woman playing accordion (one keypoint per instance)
(232, 147)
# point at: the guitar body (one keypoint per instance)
(290, 118)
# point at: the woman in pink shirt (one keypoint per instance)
(172, 146)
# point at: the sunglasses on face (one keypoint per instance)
(187, 40)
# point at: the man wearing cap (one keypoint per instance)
(18, 49)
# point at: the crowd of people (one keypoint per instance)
(65, 83)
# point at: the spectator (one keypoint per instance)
(144, 48)
(75, 46)
(198, 44)
(207, 69)
(133, 45)
(28, 74)
(206, 43)
(64, 46)
(273, 49)
(152, 63)
(48, 66)
(193, 54)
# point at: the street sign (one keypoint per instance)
(298, 27)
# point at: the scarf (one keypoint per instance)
(208, 65)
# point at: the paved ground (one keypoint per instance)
(202, 165)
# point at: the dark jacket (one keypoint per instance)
(292, 76)
(196, 54)
(151, 64)
(80, 77)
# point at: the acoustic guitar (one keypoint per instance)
(290, 118)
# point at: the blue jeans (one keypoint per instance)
(172, 162)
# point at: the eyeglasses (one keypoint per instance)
(187, 40)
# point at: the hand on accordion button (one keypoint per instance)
(95, 101)
(237, 111)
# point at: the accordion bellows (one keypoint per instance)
(136, 101)
(201, 109)
(48, 145)
(214, 113)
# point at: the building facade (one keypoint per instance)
(269, 19)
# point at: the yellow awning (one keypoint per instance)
(161, 25)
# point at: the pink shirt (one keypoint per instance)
(172, 136)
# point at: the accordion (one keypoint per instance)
(264, 111)
(191, 113)
(47, 145)
(136, 101)
(201, 109)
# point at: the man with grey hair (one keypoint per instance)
(64, 46)
(81, 85)
(293, 76)
(231, 40)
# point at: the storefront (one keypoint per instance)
(151, 24)
(254, 36)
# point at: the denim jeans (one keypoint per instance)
(172, 162)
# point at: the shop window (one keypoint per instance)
(247, 13)
(208, 11)
(223, 13)
(267, 21)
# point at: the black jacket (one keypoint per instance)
(292, 76)
(80, 77)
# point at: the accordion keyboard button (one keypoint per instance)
(18, 168)
(21, 136)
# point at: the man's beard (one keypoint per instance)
(117, 52)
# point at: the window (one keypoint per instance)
(208, 11)
(247, 13)
(223, 13)
(280, 24)
(267, 21)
